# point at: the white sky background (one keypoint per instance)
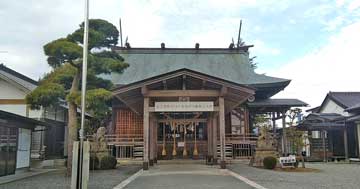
(314, 43)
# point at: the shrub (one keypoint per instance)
(108, 162)
(269, 162)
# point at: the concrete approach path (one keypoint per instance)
(180, 175)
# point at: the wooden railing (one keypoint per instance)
(241, 138)
(115, 139)
(131, 146)
(242, 145)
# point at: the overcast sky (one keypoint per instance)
(313, 42)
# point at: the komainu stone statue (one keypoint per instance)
(264, 148)
(99, 146)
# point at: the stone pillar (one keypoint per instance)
(346, 144)
(222, 132)
(146, 134)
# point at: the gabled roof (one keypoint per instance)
(320, 121)
(325, 116)
(343, 99)
(18, 78)
(228, 64)
(277, 103)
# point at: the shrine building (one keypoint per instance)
(191, 103)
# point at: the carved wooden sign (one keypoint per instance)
(184, 106)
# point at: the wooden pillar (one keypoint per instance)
(209, 137)
(358, 137)
(146, 134)
(151, 141)
(214, 137)
(274, 123)
(284, 148)
(222, 132)
(346, 144)
(324, 145)
(156, 126)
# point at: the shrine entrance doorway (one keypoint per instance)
(182, 135)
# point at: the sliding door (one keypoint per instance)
(8, 149)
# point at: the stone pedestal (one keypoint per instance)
(264, 148)
(260, 154)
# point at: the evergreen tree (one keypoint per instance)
(64, 55)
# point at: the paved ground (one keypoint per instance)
(342, 176)
(23, 174)
(180, 176)
(104, 179)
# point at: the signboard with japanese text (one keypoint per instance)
(184, 106)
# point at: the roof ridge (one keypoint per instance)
(17, 74)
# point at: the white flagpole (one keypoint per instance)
(83, 88)
(84, 69)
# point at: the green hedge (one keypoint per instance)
(269, 162)
(107, 162)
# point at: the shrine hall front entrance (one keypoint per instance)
(182, 135)
(179, 114)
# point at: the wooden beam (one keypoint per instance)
(144, 90)
(187, 93)
(184, 82)
(12, 101)
(195, 75)
(127, 104)
(164, 84)
(203, 84)
(182, 120)
(224, 91)
(152, 109)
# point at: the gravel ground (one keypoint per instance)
(100, 179)
(331, 175)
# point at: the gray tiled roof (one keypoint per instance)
(326, 116)
(346, 99)
(227, 64)
(18, 78)
(277, 102)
